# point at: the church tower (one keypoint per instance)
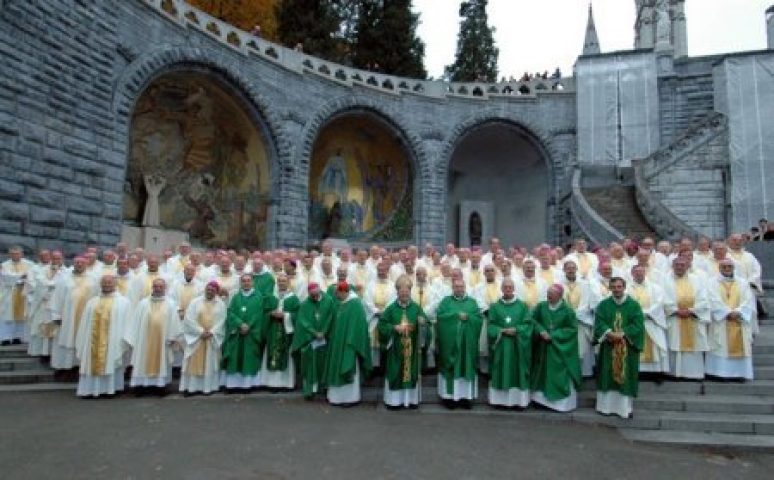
(591, 42)
(661, 24)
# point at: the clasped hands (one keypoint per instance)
(404, 328)
(244, 329)
(278, 315)
(205, 335)
(511, 332)
(615, 337)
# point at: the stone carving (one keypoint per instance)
(154, 184)
(663, 23)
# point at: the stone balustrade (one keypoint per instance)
(596, 228)
(187, 16)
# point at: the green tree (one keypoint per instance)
(313, 23)
(386, 39)
(476, 57)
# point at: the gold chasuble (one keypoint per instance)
(640, 293)
(685, 298)
(380, 294)
(100, 334)
(122, 284)
(474, 278)
(419, 295)
(81, 293)
(547, 275)
(530, 293)
(572, 295)
(17, 301)
(583, 263)
(492, 293)
(732, 297)
(187, 293)
(154, 337)
(196, 363)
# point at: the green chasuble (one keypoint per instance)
(618, 367)
(509, 356)
(243, 353)
(401, 353)
(555, 364)
(264, 283)
(457, 340)
(348, 343)
(313, 317)
(277, 341)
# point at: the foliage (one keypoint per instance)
(476, 57)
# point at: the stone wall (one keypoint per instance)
(62, 165)
(684, 100)
(70, 77)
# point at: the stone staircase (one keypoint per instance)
(707, 413)
(618, 206)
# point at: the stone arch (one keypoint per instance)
(224, 71)
(540, 139)
(360, 104)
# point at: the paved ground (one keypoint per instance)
(54, 435)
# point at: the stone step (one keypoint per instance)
(8, 364)
(759, 349)
(764, 359)
(39, 387)
(26, 376)
(758, 387)
(763, 372)
(703, 439)
(746, 404)
(13, 351)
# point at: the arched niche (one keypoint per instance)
(500, 170)
(214, 154)
(361, 181)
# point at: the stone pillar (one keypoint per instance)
(770, 27)
(680, 31)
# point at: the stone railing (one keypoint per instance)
(596, 228)
(187, 16)
(693, 138)
(665, 223)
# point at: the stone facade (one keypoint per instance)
(72, 71)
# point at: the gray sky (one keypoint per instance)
(537, 35)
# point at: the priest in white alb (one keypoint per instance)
(152, 334)
(71, 293)
(98, 344)
(730, 334)
(203, 331)
(14, 288)
(688, 314)
(655, 355)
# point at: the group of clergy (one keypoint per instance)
(535, 321)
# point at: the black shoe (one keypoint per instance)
(466, 404)
(6, 343)
(16, 341)
(450, 404)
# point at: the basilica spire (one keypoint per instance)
(591, 42)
